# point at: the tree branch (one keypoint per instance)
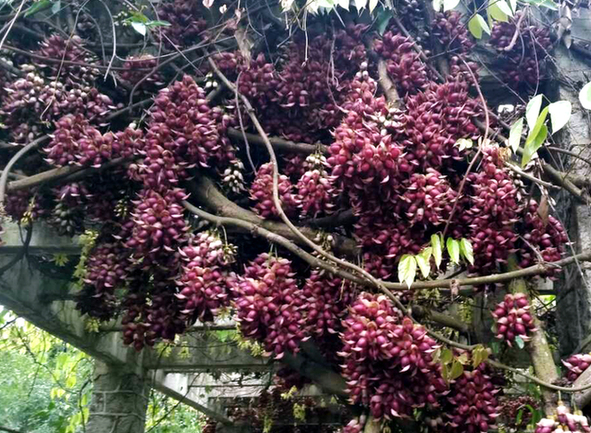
(387, 85)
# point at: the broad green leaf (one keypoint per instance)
(519, 417)
(437, 249)
(383, 19)
(56, 7)
(519, 341)
(585, 96)
(479, 355)
(463, 358)
(496, 13)
(445, 372)
(532, 110)
(466, 250)
(453, 249)
(504, 7)
(446, 356)
(158, 24)
(533, 133)
(530, 149)
(477, 25)
(139, 27)
(515, 134)
(71, 381)
(424, 261)
(457, 369)
(372, 5)
(560, 112)
(437, 5)
(407, 269)
(450, 4)
(38, 7)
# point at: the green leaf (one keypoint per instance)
(477, 25)
(423, 260)
(532, 110)
(463, 358)
(467, 250)
(139, 27)
(407, 269)
(519, 417)
(152, 24)
(453, 249)
(530, 149)
(479, 355)
(538, 126)
(446, 356)
(515, 134)
(382, 21)
(504, 7)
(38, 7)
(56, 7)
(585, 96)
(437, 249)
(496, 13)
(450, 4)
(560, 112)
(457, 369)
(513, 4)
(519, 341)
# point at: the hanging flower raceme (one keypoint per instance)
(564, 421)
(576, 365)
(186, 23)
(269, 305)
(261, 192)
(315, 191)
(203, 283)
(159, 225)
(513, 319)
(71, 62)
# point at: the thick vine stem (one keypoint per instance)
(278, 143)
(4, 178)
(387, 85)
(538, 347)
(204, 190)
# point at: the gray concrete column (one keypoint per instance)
(119, 401)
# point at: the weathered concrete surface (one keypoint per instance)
(119, 400)
(574, 287)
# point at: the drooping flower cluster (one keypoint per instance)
(31, 101)
(545, 235)
(186, 24)
(159, 226)
(269, 305)
(564, 421)
(181, 134)
(493, 211)
(315, 191)
(203, 283)
(523, 51)
(471, 404)
(261, 192)
(513, 319)
(387, 359)
(576, 365)
(327, 298)
(139, 68)
(71, 62)
(76, 142)
(402, 62)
